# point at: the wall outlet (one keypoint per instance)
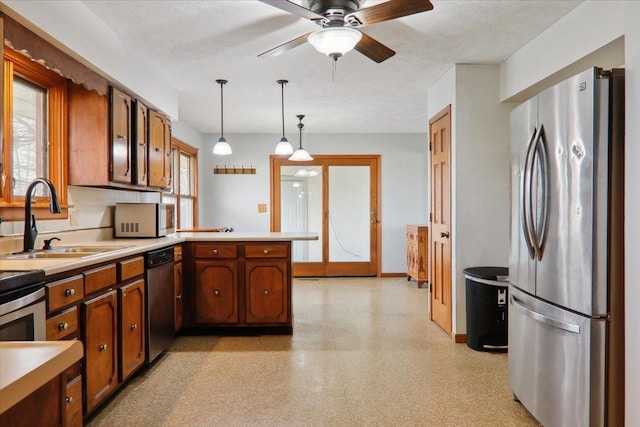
(262, 207)
(73, 217)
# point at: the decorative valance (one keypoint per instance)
(23, 40)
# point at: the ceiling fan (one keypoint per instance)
(340, 20)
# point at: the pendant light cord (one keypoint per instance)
(221, 110)
(282, 89)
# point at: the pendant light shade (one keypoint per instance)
(283, 147)
(300, 155)
(335, 41)
(222, 147)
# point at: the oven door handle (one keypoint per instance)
(16, 304)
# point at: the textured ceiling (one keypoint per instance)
(193, 43)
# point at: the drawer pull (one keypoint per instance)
(63, 326)
(69, 400)
(102, 347)
(266, 252)
(266, 292)
(69, 292)
(215, 252)
(216, 292)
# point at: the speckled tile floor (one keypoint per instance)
(363, 353)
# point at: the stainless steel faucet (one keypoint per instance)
(30, 229)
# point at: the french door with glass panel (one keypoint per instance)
(336, 197)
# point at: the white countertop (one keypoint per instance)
(25, 366)
(136, 246)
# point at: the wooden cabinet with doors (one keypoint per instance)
(240, 285)
(140, 142)
(178, 307)
(159, 160)
(131, 327)
(120, 136)
(417, 250)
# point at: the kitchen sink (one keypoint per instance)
(64, 252)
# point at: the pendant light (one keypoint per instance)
(300, 155)
(222, 147)
(283, 147)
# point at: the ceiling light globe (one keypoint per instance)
(284, 147)
(222, 148)
(335, 41)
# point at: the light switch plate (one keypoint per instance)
(73, 217)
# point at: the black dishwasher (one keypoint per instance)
(160, 311)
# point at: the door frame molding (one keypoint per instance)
(326, 160)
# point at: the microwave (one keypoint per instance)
(144, 219)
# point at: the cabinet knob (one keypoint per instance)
(120, 137)
(215, 252)
(134, 327)
(158, 149)
(266, 252)
(141, 144)
(178, 296)
(102, 347)
(216, 292)
(69, 292)
(69, 400)
(63, 326)
(266, 292)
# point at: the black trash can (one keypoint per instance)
(486, 301)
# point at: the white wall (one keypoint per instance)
(231, 200)
(479, 173)
(72, 27)
(632, 212)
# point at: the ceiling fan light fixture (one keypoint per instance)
(335, 41)
(222, 147)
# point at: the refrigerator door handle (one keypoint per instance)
(525, 195)
(558, 324)
(539, 230)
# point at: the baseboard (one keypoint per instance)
(459, 338)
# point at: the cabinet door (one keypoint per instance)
(178, 302)
(120, 137)
(140, 141)
(217, 291)
(159, 150)
(100, 316)
(267, 291)
(132, 327)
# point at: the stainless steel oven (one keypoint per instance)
(22, 306)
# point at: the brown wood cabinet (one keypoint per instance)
(240, 284)
(100, 338)
(159, 150)
(178, 308)
(120, 134)
(140, 142)
(131, 327)
(417, 250)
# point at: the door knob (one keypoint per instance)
(444, 234)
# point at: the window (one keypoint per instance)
(184, 186)
(34, 134)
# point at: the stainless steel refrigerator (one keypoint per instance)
(566, 333)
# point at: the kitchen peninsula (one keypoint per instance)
(238, 280)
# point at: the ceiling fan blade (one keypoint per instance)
(391, 9)
(295, 9)
(285, 47)
(373, 49)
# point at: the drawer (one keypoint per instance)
(177, 253)
(266, 250)
(130, 268)
(63, 324)
(73, 403)
(213, 250)
(64, 292)
(99, 278)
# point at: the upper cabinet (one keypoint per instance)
(117, 142)
(120, 136)
(159, 150)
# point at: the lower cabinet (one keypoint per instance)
(100, 316)
(131, 328)
(178, 307)
(240, 284)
